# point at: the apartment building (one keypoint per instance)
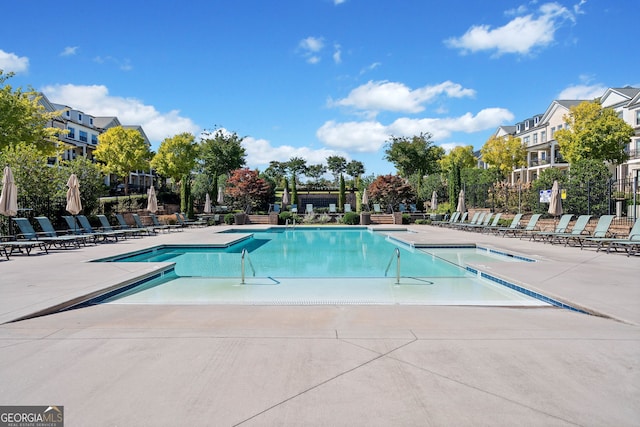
(537, 135)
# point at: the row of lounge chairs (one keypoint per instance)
(80, 232)
(578, 235)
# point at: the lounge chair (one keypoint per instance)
(601, 242)
(347, 207)
(447, 220)
(413, 208)
(402, 208)
(631, 244)
(577, 230)
(600, 231)
(479, 225)
(531, 227)
(74, 228)
(309, 209)
(274, 208)
(139, 224)
(494, 224)
(50, 239)
(561, 227)
(462, 222)
(106, 235)
(515, 223)
(294, 208)
(183, 221)
(376, 208)
(128, 228)
(332, 208)
(461, 219)
(106, 226)
(9, 245)
(167, 227)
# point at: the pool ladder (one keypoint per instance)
(286, 224)
(245, 254)
(396, 255)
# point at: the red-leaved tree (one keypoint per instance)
(390, 190)
(247, 190)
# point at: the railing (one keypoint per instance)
(293, 222)
(396, 254)
(245, 254)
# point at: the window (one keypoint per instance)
(72, 133)
(68, 113)
(543, 136)
(637, 118)
(543, 155)
(82, 136)
(553, 130)
(91, 121)
(525, 140)
(518, 127)
(79, 117)
(535, 138)
(94, 139)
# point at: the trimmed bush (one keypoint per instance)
(229, 218)
(351, 218)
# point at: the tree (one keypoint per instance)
(594, 133)
(297, 166)
(390, 190)
(336, 165)
(462, 156)
(91, 181)
(277, 171)
(24, 120)
(315, 172)
(247, 189)
(342, 194)
(30, 171)
(122, 151)
(176, 158)
(504, 153)
(414, 156)
(221, 153)
(355, 170)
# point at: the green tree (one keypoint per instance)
(462, 156)
(176, 159)
(414, 156)
(342, 194)
(297, 166)
(122, 151)
(594, 133)
(276, 172)
(315, 172)
(91, 181)
(336, 165)
(503, 154)
(221, 153)
(24, 120)
(31, 173)
(355, 169)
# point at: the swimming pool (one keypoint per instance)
(319, 266)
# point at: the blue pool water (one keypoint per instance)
(319, 266)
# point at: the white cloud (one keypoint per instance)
(69, 51)
(260, 153)
(310, 47)
(337, 2)
(583, 91)
(393, 96)
(337, 54)
(12, 63)
(96, 101)
(520, 36)
(123, 64)
(370, 136)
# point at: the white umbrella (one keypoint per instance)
(285, 197)
(555, 204)
(434, 201)
(461, 205)
(365, 199)
(9, 197)
(152, 200)
(74, 205)
(220, 199)
(207, 204)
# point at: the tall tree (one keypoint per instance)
(336, 165)
(414, 156)
(175, 159)
(221, 153)
(355, 169)
(504, 154)
(462, 156)
(23, 119)
(315, 172)
(594, 133)
(390, 191)
(247, 189)
(277, 171)
(122, 151)
(297, 166)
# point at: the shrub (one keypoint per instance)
(229, 218)
(351, 218)
(406, 219)
(423, 221)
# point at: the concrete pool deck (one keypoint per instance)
(326, 365)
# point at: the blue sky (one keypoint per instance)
(314, 78)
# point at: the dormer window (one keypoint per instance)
(79, 117)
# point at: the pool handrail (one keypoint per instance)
(396, 254)
(246, 254)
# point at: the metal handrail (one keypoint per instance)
(397, 256)
(246, 254)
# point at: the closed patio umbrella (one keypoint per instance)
(220, 198)
(434, 201)
(207, 204)
(285, 197)
(9, 196)
(365, 199)
(555, 204)
(152, 200)
(74, 205)
(462, 207)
